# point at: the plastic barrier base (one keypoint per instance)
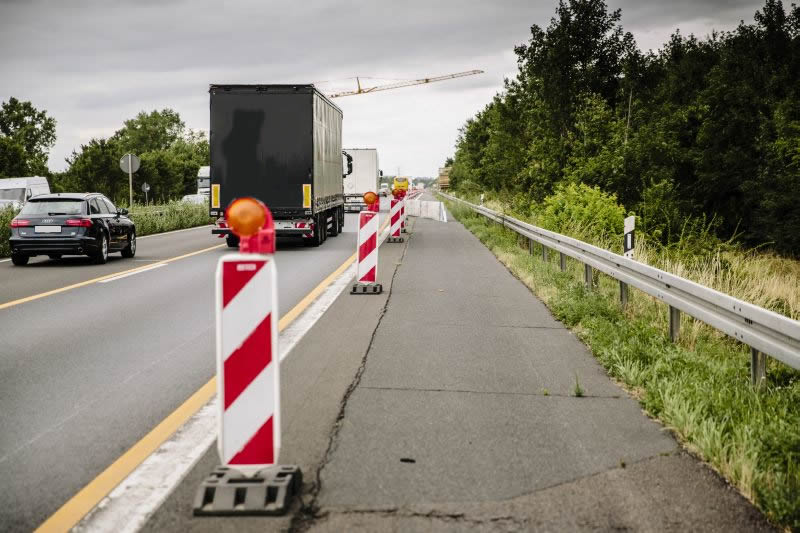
(367, 288)
(395, 239)
(228, 492)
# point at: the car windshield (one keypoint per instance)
(54, 206)
(13, 194)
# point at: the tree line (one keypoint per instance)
(170, 154)
(703, 129)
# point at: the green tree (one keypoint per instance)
(95, 168)
(152, 131)
(26, 136)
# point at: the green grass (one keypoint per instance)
(148, 219)
(6, 214)
(168, 217)
(700, 387)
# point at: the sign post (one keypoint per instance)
(145, 189)
(130, 164)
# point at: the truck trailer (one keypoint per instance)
(281, 144)
(364, 178)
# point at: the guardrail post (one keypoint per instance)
(623, 294)
(530, 246)
(562, 261)
(544, 253)
(587, 276)
(758, 368)
(674, 324)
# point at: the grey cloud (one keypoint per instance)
(94, 63)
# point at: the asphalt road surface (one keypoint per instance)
(87, 372)
(446, 404)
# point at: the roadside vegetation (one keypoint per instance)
(6, 214)
(699, 387)
(168, 217)
(700, 140)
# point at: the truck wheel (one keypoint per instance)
(336, 225)
(341, 218)
(232, 240)
(19, 259)
(319, 232)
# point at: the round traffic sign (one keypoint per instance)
(129, 163)
(145, 187)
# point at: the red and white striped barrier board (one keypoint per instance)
(395, 221)
(367, 254)
(247, 361)
(403, 214)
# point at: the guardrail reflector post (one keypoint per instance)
(758, 368)
(395, 221)
(249, 480)
(623, 294)
(674, 324)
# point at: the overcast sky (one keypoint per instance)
(94, 63)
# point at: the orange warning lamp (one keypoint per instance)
(372, 201)
(251, 221)
(370, 198)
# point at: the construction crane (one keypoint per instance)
(405, 83)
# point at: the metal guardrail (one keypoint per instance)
(765, 331)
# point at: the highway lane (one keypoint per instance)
(43, 274)
(85, 373)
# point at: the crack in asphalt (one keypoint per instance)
(496, 393)
(460, 517)
(309, 512)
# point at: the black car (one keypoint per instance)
(71, 224)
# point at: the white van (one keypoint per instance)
(22, 189)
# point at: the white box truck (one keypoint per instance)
(17, 191)
(364, 178)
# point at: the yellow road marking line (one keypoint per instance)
(89, 496)
(12, 303)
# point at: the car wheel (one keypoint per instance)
(101, 256)
(130, 250)
(19, 259)
(232, 240)
(54, 257)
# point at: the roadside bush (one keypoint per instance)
(581, 206)
(168, 217)
(6, 214)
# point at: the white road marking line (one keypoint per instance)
(148, 269)
(4, 260)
